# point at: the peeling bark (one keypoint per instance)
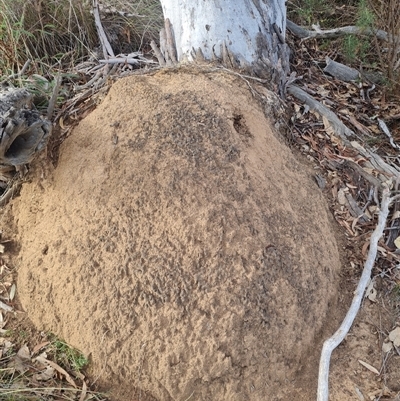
(249, 35)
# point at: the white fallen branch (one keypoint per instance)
(384, 128)
(331, 343)
(127, 60)
(303, 33)
(372, 160)
(340, 129)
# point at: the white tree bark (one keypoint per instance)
(250, 33)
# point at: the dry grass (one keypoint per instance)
(387, 17)
(57, 34)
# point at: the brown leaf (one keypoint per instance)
(84, 392)
(47, 374)
(58, 368)
(38, 347)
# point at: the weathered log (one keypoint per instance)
(348, 74)
(341, 71)
(23, 132)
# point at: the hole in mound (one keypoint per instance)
(239, 123)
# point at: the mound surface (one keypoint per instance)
(179, 243)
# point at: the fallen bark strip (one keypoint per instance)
(158, 54)
(303, 33)
(331, 343)
(349, 74)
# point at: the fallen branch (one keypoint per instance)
(331, 343)
(340, 129)
(376, 162)
(126, 60)
(341, 71)
(305, 34)
(373, 161)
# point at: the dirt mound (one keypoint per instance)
(179, 243)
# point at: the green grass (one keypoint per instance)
(69, 358)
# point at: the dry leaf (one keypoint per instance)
(373, 209)
(38, 347)
(387, 347)
(58, 368)
(394, 336)
(24, 353)
(5, 346)
(84, 392)
(359, 394)
(328, 126)
(5, 307)
(369, 367)
(396, 215)
(382, 250)
(21, 361)
(47, 374)
(371, 292)
(12, 292)
(342, 196)
(397, 242)
(2, 248)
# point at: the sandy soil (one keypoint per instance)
(182, 246)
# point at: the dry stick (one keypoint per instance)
(331, 343)
(18, 74)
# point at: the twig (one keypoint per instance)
(18, 74)
(331, 343)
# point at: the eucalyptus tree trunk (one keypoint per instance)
(248, 34)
